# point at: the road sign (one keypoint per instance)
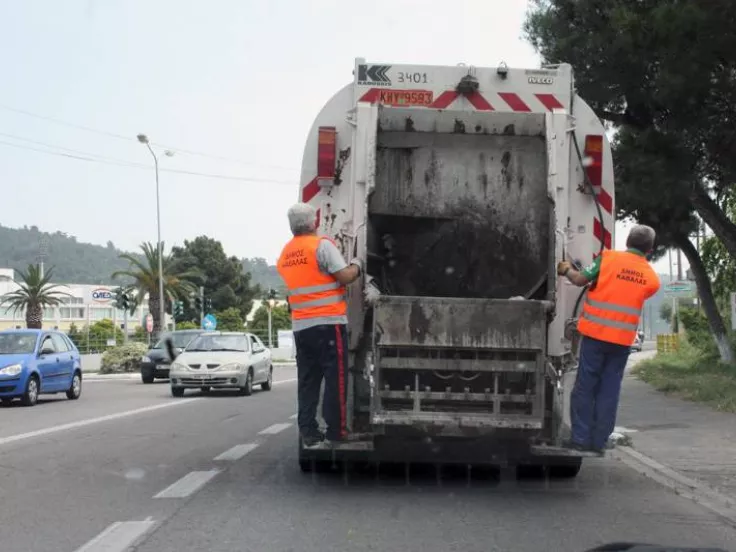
(209, 322)
(149, 323)
(679, 289)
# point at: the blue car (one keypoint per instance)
(38, 361)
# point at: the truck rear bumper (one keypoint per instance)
(480, 451)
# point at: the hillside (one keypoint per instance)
(86, 263)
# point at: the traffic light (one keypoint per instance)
(197, 302)
(272, 294)
(208, 304)
(178, 309)
(123, 299)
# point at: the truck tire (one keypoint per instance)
(568, 470)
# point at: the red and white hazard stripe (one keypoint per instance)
(500, 101)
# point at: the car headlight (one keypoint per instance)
(146, 359)
(179, 366)
(12, 370)
(232, 366)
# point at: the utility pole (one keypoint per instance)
(201, 305)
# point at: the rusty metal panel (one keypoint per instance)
(460, 323)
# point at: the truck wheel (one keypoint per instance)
(565, 471)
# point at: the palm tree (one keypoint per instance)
(178, 284)
(35, 293)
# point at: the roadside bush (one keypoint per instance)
(698, 332)
(124, 358)
(692, 375)
(186, 325)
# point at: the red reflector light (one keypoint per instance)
(594, 160)
(326, 152)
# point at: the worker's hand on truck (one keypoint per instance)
(563, 268)
(371, 293)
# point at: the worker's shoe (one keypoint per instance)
(572, 445)
(313, 440)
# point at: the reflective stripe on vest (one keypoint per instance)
(311, 293)
(612, 308)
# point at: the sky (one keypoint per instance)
(231, 87)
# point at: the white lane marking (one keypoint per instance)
(237, 452)
(187, 485)
(285, 381)
(118, 537)
(91, 421)
(274, 429)
(292, 417)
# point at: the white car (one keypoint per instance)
(222, 360)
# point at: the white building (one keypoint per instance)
(86, 304)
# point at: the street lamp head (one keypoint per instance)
(142, 138)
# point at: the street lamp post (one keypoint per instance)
(271, 304)
(143, 139)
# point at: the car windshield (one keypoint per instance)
(219, 343)
(180, 340)
(17, 343)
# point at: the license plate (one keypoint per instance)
(405, 97)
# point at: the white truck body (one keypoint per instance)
(461, 189)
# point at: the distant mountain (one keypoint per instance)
(73, 262)
(86, 263)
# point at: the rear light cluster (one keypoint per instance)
(594, 161)
(326, 156)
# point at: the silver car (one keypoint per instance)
(222, 360)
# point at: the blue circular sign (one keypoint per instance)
(209, 322)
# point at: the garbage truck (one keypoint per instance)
(460, 188)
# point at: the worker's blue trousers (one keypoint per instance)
(594, 399)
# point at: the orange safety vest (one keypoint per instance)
(612, 308)
(311, 293)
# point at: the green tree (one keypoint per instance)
(719, 264)
(179, 282)
(635, 65)
(665, 312)
(280, 319)
(230, 320)
(186, 325)
(224, 280)
(664, 67)
(35, 293)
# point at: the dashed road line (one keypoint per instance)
(91, 421)
(187, 485)
(284, 381)
(118, 537)
(236, 452)
(274, 429)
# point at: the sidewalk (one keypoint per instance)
(691, 439)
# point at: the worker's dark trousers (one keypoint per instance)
(321, 352)
(594, 399)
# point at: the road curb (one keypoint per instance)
(700, 493)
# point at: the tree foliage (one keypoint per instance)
(224, 280)
(230, 320)
(179, 282)
(721, 266)
(34, 294)
(280, 319)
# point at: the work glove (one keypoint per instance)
(371, 293)
(563, 267)
(359, 263)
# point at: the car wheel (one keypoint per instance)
(75, 390)
(30, 396)
(177, 391)
(268, 384)
(147, 378)
(248, 388)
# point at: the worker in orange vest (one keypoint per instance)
(621, 281)
(316, 274)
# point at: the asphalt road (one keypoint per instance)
(128, 465)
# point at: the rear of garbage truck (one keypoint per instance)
(460, 188)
